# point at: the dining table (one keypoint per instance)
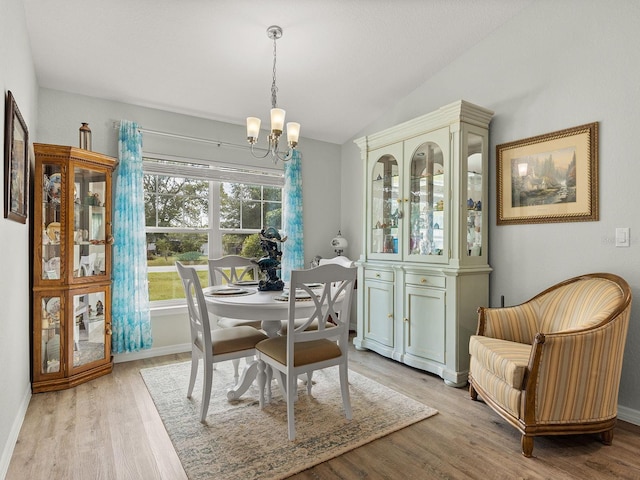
(245, 302)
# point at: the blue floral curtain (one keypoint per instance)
(131, 322)
(292, 224)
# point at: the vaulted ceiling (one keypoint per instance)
(340, 63)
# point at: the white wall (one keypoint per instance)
(554, 66)
(60, 115)
(16, 74)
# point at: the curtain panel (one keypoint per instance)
(131, 319)
(292, 217)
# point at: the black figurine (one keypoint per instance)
(270, 241)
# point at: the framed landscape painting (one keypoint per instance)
(16, 163)
(549, 178)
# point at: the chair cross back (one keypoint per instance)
(232, 269)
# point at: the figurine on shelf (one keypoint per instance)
(99, 308)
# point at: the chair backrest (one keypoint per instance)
(580, 302)
(339, 260)
(231, 269)
(332, 301)
(198, 314)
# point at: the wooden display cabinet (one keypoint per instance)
(72, 267)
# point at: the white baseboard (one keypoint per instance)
(15, 431)
(629, 415)
(152, 352)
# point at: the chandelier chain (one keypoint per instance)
(274, 88)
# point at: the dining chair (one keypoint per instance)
(304, 350)
(211, 346)
(233, 269)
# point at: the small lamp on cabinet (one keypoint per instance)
(339, 243)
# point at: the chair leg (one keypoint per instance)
(292, 384)
(206, 390)
(344, 386)
(236, 366)
(309, 382)
(607, 437)
(194, 373)
(472, 392)
(527, 446)
(269, 380)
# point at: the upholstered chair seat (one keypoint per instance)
(552, 365)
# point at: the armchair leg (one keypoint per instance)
(527, 446)
(607, 437)
(472, 392)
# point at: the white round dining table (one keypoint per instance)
(255, 305)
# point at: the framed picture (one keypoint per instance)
(549, 178)
(16, 163)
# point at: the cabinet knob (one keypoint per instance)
(390, 315)
(406, 320)
(108, 330)
(423, 280)
(377, 275)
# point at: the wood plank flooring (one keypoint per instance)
(109, 429)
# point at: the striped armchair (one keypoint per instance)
(551, 366)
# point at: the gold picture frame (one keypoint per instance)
(16, 163)
(549, 178)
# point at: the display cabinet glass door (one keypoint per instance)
(50, 334)
(89, 222)
(88, 339)
(474, 194)
(385, 205)
(53, 203)
(426, 201)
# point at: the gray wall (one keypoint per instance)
(557, 65)
(16, 74)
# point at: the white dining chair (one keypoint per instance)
(304, 349)
(211, 346)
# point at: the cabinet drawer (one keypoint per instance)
(425, 280)
(378, 275)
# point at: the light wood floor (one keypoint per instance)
(109, 429)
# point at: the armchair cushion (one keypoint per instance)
(502, 358)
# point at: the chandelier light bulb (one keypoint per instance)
(253, 129)
(293, 133)
(277, 121)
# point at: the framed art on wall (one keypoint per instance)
(549, 178)
(16, 163)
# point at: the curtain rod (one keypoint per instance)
(218, 143)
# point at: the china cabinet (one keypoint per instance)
(424, 269)
(71, 267)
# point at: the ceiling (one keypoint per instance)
(340, 63)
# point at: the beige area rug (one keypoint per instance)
(243, 442)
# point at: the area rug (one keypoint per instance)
(241, 441)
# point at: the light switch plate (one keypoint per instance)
(622, 237)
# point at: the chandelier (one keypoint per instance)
(277, 117)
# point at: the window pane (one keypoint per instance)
(251, 215)
(176, 202)
(273, 193)
(163, 249)
(273, 215)
(254, 192)
(230, 203)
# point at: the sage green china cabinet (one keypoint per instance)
(72, 267)
(424, 269)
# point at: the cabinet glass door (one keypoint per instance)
(385, 213)
(53, 200)
(426, 198)
(88, 328)
(50, 347)
(89, 222)
(474, 195)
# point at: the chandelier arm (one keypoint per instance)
(259, 156)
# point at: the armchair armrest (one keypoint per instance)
(574, 376)
(516, 324)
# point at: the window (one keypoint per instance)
(194, 212)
